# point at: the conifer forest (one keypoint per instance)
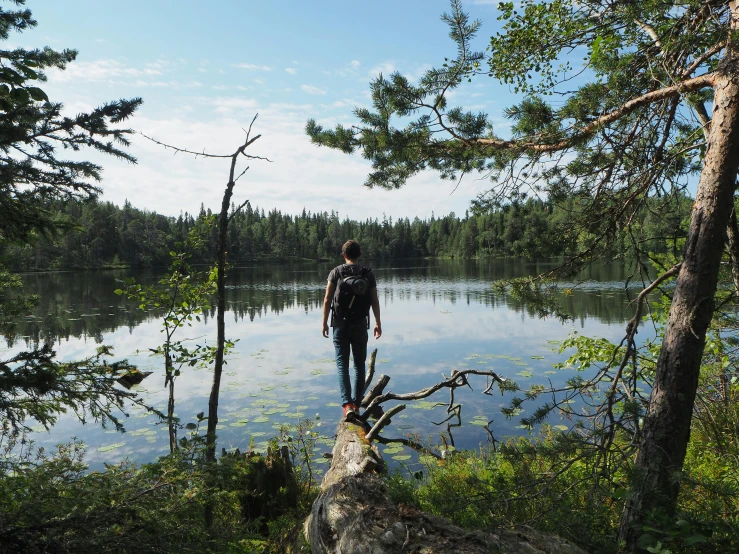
(555, 260)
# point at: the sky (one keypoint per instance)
(205, 69)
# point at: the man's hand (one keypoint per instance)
(378, 331)
(325, 329)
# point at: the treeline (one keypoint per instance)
(105, 235)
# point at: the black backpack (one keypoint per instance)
(352, 299)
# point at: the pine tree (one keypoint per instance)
(637, 127)
(33, 174)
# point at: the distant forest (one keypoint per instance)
(104, 235)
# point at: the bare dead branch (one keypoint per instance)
(376, 390)
(370, 370)
(237, 210)
(457, 379)
(384, 420)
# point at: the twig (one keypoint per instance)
(370, 369)
(383, 421)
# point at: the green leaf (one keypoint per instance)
(646, 540)
(19, 95)
(695, 539)
(37, 94)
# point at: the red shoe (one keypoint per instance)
(350, 412)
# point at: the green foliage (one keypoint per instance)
(33, 385)
(108, 236)
(13, 303)
(32, 131)
(545, 482)
(555, 482)
(51, 502)
(605, 144)
(181, 296)
(301, 441)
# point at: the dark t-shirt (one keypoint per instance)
(352, 269)
(334, 276)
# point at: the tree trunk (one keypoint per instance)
(666, 429)
(353, 514)
(170, 417)
(210, 442)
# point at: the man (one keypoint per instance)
(350, 292)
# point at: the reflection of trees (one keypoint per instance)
(82, 304)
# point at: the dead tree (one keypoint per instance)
(354, 514)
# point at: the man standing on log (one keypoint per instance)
(350, 292)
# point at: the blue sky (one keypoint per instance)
(205, 69)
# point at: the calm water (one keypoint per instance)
(437, 316)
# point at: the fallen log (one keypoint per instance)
(353, 515)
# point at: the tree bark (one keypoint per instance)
(666, 429)
(353, 514)
(210, 450)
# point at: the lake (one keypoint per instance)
(437, 315)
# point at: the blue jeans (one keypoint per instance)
(351, 335)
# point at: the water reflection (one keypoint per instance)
(82, 304)
(437, 316)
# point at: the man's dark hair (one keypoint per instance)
(351, 249)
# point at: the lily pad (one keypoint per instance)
(110, 447)
(402, 457)
(142, 431)
(526, 373)
(318, 371)
(423, 405)
(537, 357)
(261, 419)
(560, 427)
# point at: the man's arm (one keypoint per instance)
(330, 288)
(376, 312)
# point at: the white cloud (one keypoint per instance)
(386, 68)
(252, 67)
(290, 70)
(101, 70)
(312, 90)
(355, 64)
(227, 105)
